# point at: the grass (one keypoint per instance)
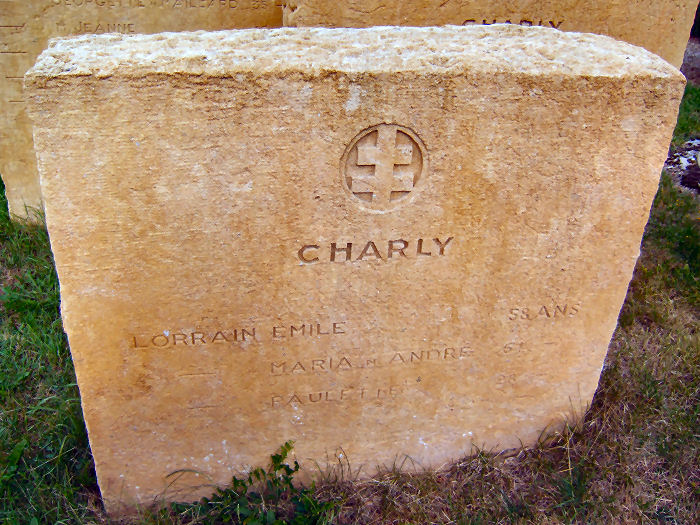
(635, 458)
(689, 116)
(46, 471)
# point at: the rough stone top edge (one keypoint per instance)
(388, 49)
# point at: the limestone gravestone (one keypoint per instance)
(25, 27)
(379, 243)
(661, 26)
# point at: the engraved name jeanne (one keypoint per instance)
(377, 251)
(100, 27)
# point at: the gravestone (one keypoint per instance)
(661, 26)
(26, 26)
(379, 243)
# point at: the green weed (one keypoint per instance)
(264, 497)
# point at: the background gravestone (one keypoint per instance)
(375, 242)
(26, 26)
(661, 26)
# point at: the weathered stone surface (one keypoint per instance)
(385, 242)
(661, 26)
(26, 26)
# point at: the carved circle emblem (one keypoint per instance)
(383, 166)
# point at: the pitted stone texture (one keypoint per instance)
(661, 26)
(225, 289)
(26, 26)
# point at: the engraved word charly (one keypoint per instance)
(371, 251)
(383, 165)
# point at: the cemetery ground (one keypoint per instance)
(635, 458)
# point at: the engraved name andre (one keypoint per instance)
(343, 363)
(373, 251)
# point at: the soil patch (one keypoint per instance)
(682, 165)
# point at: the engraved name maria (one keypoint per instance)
(371, 251)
